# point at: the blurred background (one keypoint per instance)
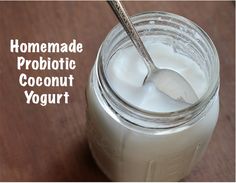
(49, 143)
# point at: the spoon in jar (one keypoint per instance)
(167, 81)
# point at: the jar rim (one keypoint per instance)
(194, 109)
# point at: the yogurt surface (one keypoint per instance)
(126, 72)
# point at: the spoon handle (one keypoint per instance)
(123, 17)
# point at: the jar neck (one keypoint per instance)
(117, 38)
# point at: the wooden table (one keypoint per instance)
(49, 143)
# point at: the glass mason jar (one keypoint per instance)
(130, 144)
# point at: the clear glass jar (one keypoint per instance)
(167, 145)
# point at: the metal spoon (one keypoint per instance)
(167, 81)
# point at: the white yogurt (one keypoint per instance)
(126, 72)
(124, 146)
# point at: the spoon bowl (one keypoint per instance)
(169, 82)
